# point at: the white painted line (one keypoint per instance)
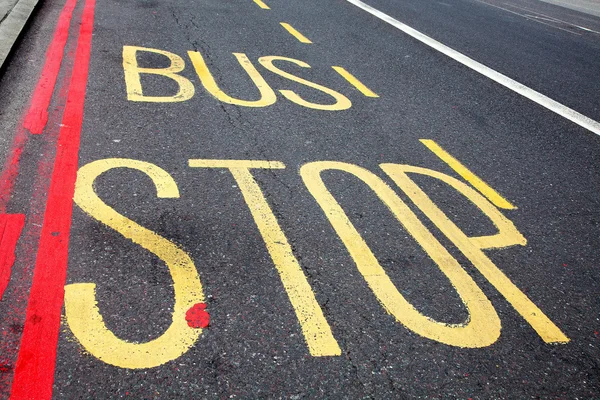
(504, 80)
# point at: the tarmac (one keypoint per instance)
(14, 15)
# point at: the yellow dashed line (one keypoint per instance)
(355, 82)
(301, 38)
(261, 4)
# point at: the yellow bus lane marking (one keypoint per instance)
(132, 76)
(262, 5)
(81, 308)
(472, 247)
(341, 101)
(482, 327)
(135, 92)
(315, 327)
(267, 95)
(292, 31)
(469, 176)
(355, 82)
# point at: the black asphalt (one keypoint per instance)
(254, 348)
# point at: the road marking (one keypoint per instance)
(355, 82)
(261, 4)
(341, 101)
(11, 226)
(36, 363)
(315, 327)
(544, 101)
(301, 38)
(133, 82)
(480, 329)
(37, 115)
(267, 95)
(135, 92)
(81, 307)
(472, 247)
(469, 176)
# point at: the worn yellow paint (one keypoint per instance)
(134, 85)
(482, 328)
(469, 176)
(341, 101)
(267, 95)
(82, 313)
(315, 327)
(292, 31)
(262, 5)
(355, 82)
(472, 247)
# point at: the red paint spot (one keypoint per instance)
(564, 265)
(34, 371)
(11, 226)
(37, 116)
(596, 333)
(197, 316)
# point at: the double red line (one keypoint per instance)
(34, 372)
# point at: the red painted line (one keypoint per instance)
(34, 372)
(37, 116)
(11, 227)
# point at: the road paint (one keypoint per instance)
(132, 73)
(17, 293)
(482, 327)
(261, 4)
(267, 95)
(197, 316)
(355, 82)
(341, 101)
(472, 247)
(134, 85)
(544, 101)
(292, 31)
(11, 226)
(37, 115)
(34, 371)
(81, 309)
(469, 176)
(315, 327)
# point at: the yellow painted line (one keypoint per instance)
(355, 82)
(301, 38)
(262, 5)
(267, 95)
(81, 306)
(469, 176)
(472, 247)
(316, 329)
(482, 326)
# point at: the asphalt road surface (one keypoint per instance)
(310, 199)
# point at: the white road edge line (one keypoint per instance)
(504, 80)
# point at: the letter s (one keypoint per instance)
(83, 316)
